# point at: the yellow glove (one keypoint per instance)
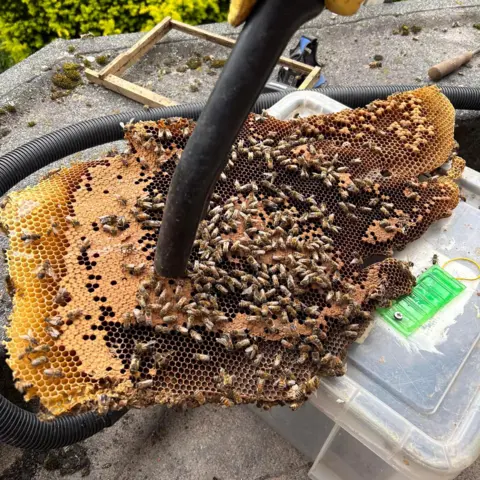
(240, 9)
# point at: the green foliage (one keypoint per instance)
(5, 61)
(27, 25)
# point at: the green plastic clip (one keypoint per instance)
(434, 289)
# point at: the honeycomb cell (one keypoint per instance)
(277, 285)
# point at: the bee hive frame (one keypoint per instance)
(109, 77)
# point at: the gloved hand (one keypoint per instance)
(240, 9)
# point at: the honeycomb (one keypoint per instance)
(291, 259)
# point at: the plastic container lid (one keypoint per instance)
(415, 401)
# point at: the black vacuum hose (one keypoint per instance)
(23, 429)
(40, 152)
(265, 35)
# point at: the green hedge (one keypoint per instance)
(28, 25)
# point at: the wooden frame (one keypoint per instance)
(110, 75)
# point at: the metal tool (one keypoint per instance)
(442, 69)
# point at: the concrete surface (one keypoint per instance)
(209, 443)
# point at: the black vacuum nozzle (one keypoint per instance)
(260, 44)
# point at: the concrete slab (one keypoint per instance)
(210, 443)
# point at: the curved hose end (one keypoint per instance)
(23, 429)
(269, 27)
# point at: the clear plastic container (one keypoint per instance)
(408, 407)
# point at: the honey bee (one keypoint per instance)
(122, 223)
(134, 364)
(22, 387)
(29, 337)
(144, 384)
(139, 316)
(242, 344)
(202, 357)
(28, 237)
(277, 360)
(108, 219)
(53, 373)
(103, 404)
(4, 201)
(413, 196)
(295, 393)
(127, 249)
(286, 344)
(181, 330)
(142, 217)
(171, 319)
(45, 270)
(312, 384)
(160, 329)
(55, 321)
(258, 359)
(251, 351)
(40, 349)
(50, 173)
(62, 297)
(128, 319)
(221, 289)
(281, 382)
(52, 332)
(152, 223)
(72, 221)
(303, 357)
(162, 359)
(75, 314)
(111, 229)
(199, 397)
(226, 341)
(84, 245)
(384, 211)
(227, 380)
(196, 336)
(53, 230)
(36, 362)
(145, 348)
(365, 209)
(226, 402)
(313, 310)
(133, 269)
(260, 386)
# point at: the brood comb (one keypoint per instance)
(280, 280)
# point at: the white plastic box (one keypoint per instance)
(408, 408)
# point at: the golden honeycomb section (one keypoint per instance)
(281, 279)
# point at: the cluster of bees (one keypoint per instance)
(278, 259)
